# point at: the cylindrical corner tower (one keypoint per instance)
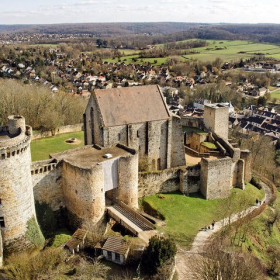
(18, 222)
(128, 182)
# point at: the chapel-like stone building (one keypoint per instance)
(137, 117)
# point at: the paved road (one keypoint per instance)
(184, 258)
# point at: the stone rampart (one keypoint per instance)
(247, 157)
(47, 188)
(162, 181)
(185, 179)
(84, 192)
(17, 199)
(216, 177)
(192, 122)
(190, 179)
(59, 130)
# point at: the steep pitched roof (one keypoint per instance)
(116, 244)
(120, 106)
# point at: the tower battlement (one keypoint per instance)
(16, 192)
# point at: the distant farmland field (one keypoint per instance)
(228, 51)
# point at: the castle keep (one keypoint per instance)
(122, 128)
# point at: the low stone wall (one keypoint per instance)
(59, 130)
(190, 179)
(193, 122)
(185, 179)
(162, 181)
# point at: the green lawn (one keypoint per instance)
(193, 129)
(41, 148)
(275, 94)
(209, 145)
(185, 216)
(230, 50)
(61, 237)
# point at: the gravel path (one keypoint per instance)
(184, 257)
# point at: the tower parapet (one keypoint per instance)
(17, 211)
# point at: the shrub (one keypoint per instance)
(46, 218)
(159, 251)
(34, 234)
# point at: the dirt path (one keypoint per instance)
(184, 257)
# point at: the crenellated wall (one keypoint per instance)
(47, 184)
(17, 199)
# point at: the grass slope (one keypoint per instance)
(41, 148)
(185, 216)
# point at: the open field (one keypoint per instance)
(44, 45)
(228, 51)
(233, 50)
(128, 59)
(275, 94)
(41, 148)
(185, 216)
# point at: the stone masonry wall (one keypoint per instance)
(216, 177)
(216, 120)
(185, 179)
(157, 144)
(163, 181)
(128, 180)
(16, 196)
(178, 151)
(59, 130)
(84, 192)
(192, 122)
(190, 179)
(247, 157)
(93, 124)
(47, 185)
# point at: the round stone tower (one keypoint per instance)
(19, 227)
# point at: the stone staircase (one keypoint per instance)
(129, 218)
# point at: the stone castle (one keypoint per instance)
(122, 127)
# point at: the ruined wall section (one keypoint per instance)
(84, 194)
(192, 122)
(47, 184)
(247, 157)
(17, 199)
(128, 180)
(185, 179)
(163, 181)
(216, 177)
(190, 179)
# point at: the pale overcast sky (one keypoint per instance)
(71, 11)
